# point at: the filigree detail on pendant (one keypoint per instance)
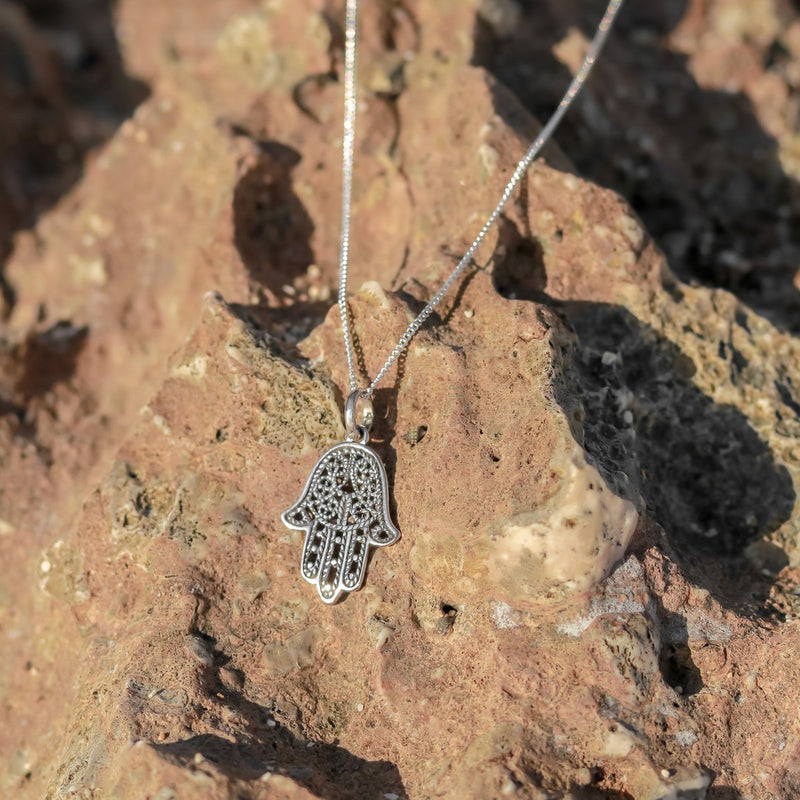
(344, 509)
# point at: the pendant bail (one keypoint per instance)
(358, 431)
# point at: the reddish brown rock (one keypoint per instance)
(593, 465)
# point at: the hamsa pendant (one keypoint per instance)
(344, 511)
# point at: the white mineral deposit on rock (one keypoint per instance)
(622, 592)
(571, 542)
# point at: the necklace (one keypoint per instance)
(344, 507)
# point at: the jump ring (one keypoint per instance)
(358, 431)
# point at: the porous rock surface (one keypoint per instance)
(593, 464)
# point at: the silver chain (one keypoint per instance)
(350, 52)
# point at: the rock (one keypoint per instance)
(594, 466)
(722, 205)
(298, 651)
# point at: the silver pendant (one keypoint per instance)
(344, 510)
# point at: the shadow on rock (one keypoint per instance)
(63, 91)
(35, 366)
(675, 662)
(695, 164)
(723, 793)
(583, 793)
(49, 358)
(703, 472)
(272, 227)
(329, 771)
